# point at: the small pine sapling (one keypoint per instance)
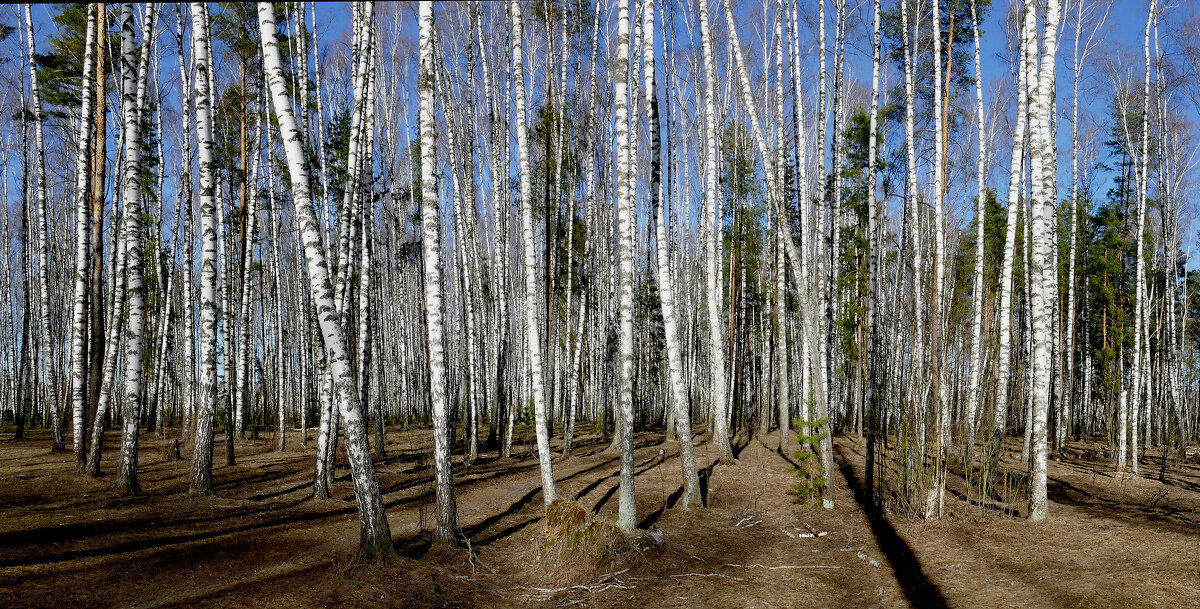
(810, 476)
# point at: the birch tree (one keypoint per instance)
(375, 541)
(711, 240)
(41, 237)
(133, 91)
(206, 403)
(1004, 355)
(534, 344)
(83, 250)
(447, 525)
(627, 511)
(1044, 268)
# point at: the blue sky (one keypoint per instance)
(1123, 30)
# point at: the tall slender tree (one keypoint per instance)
(534, 344)
(83, 251)
(375, 542)
(446, 529)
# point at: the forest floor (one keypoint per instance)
(71, 541)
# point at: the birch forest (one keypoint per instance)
(609, 303)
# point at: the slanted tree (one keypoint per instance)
(375, 541)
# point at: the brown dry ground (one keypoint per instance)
(71, 541)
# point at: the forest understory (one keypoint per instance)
(262, 541)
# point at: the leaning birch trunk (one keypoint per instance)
(821, 405)
(446, 528)
(134, 90)
(530, 256)
(202, 454)
(79, 316)
(1044, 267)
(977, 292)
(41, 240)
(375, 536)
(822, 410)
(711, 240)
(809, 322)
(783, 407)
(627, 507)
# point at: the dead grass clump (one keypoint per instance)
(170, 451)
(563, 516)
(577, 547)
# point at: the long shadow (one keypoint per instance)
(507, 531)
(703, 474)
(84, 530)
(24, 537)
(155, 542)
(483, 525)
(1061, 491)
(916, 585)
(646, 465)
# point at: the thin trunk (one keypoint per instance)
(375, 534)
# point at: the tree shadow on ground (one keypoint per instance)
(918, 589)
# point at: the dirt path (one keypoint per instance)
(70, 541)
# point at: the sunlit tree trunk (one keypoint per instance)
(206, 403)
(1045, 263)
(875, 243)
(627, 507)
(711, 237)
(41, 238)
(532, 331)
(911, 209)
(977, 292)
(1004, 355)
(79, 311)
(447, 525)
(133, 92)
(1140, 312)
(375, 534)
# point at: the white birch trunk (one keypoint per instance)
(41, 237)
(1045, 262)
(375, 534)
(134, 90)
(627, 507)
(446, 528)
(206, 405)
(977, 292)
(1004, 355)
(711, 232)
(914, 223)
(83, 248)
(1140, 312)
(530, 255)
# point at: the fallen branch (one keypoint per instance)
(863, 556)
(761, 566)
(734, 578)
(747, 522)
(599, 585)
(801, 535)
